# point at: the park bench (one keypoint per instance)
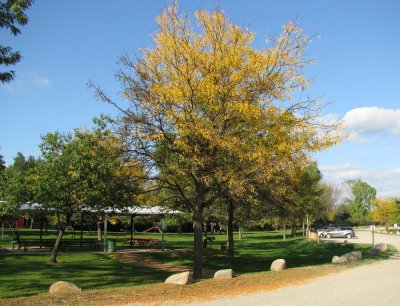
(44, 243)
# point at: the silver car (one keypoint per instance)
(339, 232)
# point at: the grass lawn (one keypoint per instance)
(26, 274)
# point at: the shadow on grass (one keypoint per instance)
(24, 275)
(256, 256)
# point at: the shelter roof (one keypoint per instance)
(134, 210)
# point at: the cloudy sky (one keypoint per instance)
(356, 48)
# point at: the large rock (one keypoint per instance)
(278, 265)
(336, 260)
(183, 278)
(356, 255)
(381, 247)
(62, 287)
(227, 273)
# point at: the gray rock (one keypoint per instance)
(183, 278)
(356, 255)
(381, 247)
(336, 260)
(62, 287)
(278, 265)
(227, 273)
(374, 252)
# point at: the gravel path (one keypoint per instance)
(374, 284)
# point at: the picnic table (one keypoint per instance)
(143, 242)
(66, 244)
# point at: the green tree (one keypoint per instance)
(2, 163)
(328, 203)
(84, 169)
(362, 198)
(309, 192)
(12, 15)
(18, 183)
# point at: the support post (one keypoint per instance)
(132, 230)
(105, 232)
(162, 231)
(373, 238)
(81, 230)
(41, 230)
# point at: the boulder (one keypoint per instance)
(278, 265)
(374, 252)
(381, 247)
(227, 273)
(62, 287)
(183, 278)
(356, 255)
(337, 259)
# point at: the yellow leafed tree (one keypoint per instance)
(210, 116)
(385, 211)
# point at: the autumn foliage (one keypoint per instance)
(212, 117)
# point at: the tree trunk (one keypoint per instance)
(198, 241)
(284, 231)
(99, 231)
(180, 227)
(99, 221)
(205, 229)
(54, 252)
(240, 233)
(231, 250)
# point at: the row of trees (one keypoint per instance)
(211, 123)
(83, 169)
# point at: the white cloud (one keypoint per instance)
(26, 81)
(386, 182)
(328, 119)
(40, 81)
(366, 124)
(342, 172)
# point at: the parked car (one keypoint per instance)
(321, 231)
(339, 232)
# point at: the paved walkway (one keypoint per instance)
(374, 284)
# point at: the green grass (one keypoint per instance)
(26, 274)
(259, 249)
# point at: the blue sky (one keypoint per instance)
(356, 49)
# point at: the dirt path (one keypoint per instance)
(375, 284)
(134, 257)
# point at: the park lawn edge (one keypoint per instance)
(204, 290)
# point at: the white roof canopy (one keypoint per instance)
(134, 210)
